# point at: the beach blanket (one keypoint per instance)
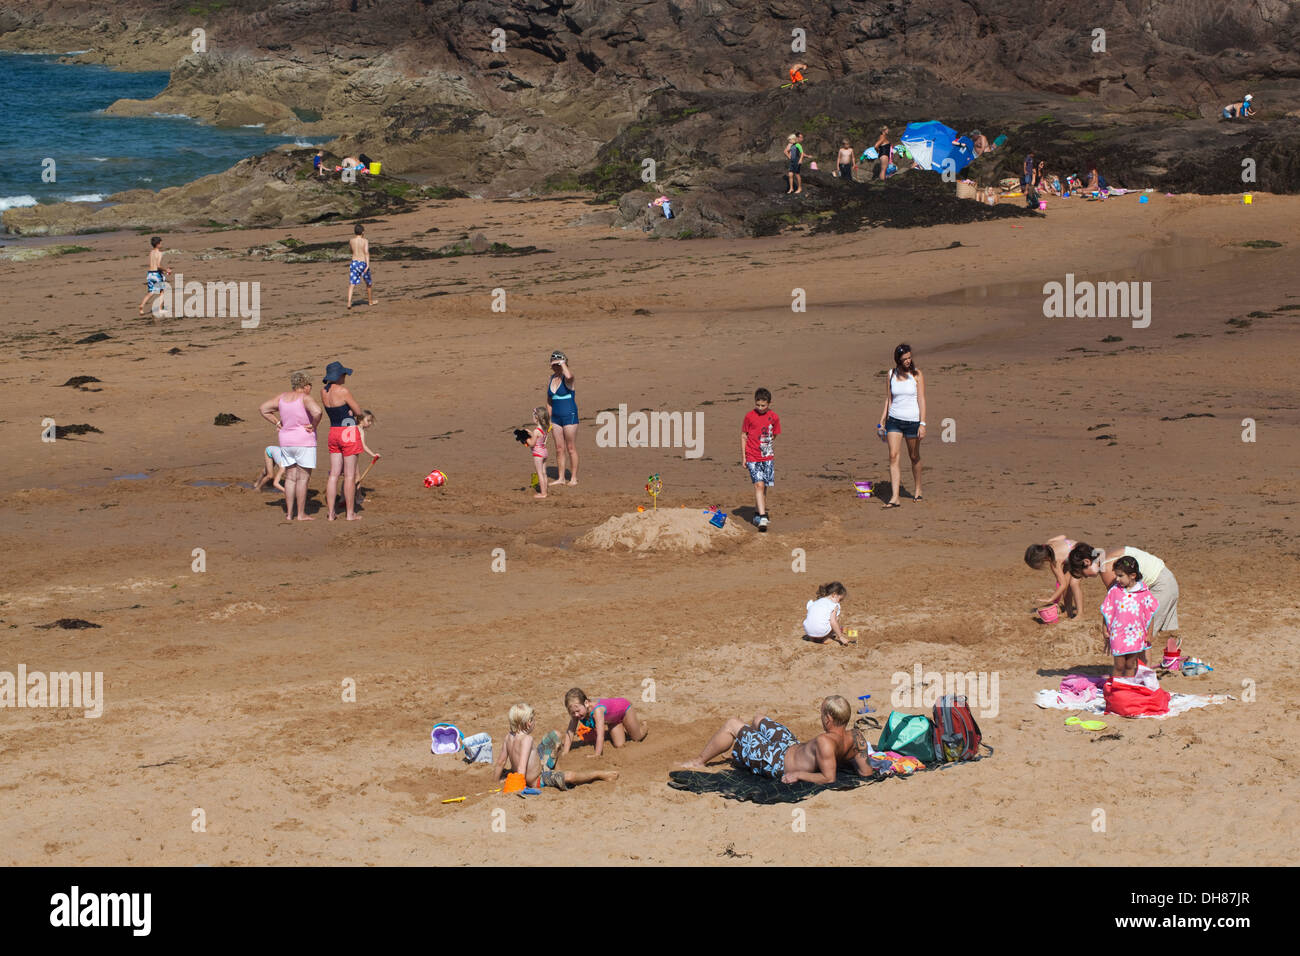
(748, 787)
(1178, 703)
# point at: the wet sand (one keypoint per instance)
(224, 687)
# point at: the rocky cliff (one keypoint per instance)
(495, 96)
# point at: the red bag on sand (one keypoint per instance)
(1132, 700)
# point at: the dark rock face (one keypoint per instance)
(590, 86)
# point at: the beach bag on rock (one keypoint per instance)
(956, 735)
(911, 735)
(1133, 700)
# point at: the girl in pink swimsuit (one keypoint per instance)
(615, 714)
(537, 442)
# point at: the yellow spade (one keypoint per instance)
(1085, 724)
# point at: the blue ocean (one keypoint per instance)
(55, 110)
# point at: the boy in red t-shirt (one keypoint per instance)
(760, 427)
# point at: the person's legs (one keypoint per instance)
(300, 494)
(573, 777)
(278, 481)
(617, 735)
(290, 490)
(569, 437)
(895, 440)
(370, 289)
(789, 185)
(914, 452)
(268, 472)
(719, 743)
(332, 482)
(798, 182)
(541, 476)
(635, 725)
(1072, 599)
(351, 286)
(760, 497)
(350, 487)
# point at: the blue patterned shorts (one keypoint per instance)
(763, 471)
(762, 750)
(155, 281)
(358, 271)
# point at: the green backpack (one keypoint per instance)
(911, 735)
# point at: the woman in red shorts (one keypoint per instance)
(345, 438)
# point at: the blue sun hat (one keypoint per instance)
(446, 739)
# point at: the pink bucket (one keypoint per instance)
(1042, 205)
(1049, 614)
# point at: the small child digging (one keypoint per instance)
(537, 763)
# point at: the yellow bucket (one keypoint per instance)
(374, 169)
(1247, 199)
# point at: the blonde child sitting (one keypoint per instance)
(537, 763)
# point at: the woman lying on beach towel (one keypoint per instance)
(770, 749)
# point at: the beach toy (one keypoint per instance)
(653, 485)
(1143, 199)
(1042, 205)
(446, 739)
(367, 471)
(1194, 667)
(463, 799)
(863, 488)
(1085, 724)
(717, 517)
(435, 479)
(1050, 614)
(640, 508)
(530, 791)
(374, 169)
(865, 708)
(515, 783)
(1247, 199)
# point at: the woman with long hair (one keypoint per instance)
(903, 420)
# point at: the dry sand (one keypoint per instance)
(224, 688)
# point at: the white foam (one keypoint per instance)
(13, 202)
(86, 197)
(99, 159)
(252, 126)
(173, 116)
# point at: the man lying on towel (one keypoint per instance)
(768, 748)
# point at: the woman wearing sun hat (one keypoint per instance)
(563, 406)
(345, 439)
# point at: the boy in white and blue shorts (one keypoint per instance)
(760, 427)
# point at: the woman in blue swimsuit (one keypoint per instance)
(563, 405)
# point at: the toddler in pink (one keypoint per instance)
(1127, 616)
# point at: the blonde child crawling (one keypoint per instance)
(273, 470)
(537, 763)
(613, 714)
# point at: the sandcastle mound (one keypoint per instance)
(673, 529)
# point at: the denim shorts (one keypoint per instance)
(761, 471)
(908, 429)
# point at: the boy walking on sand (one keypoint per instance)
(761, 425)
(359, 267)
(156, 278)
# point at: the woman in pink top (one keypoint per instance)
(295, 413)
(614, 714)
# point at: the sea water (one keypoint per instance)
(56, 110)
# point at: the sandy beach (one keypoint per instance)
(224, 688)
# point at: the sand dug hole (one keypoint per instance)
(676, 529)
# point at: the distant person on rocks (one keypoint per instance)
(319, 162)
(1240, 110)
(847, 160)
(980, 143)
(884, 150)
(156, 278)
(794, 153)
(1027, 174)
(359, 268)
(296, 414)
(796, 73)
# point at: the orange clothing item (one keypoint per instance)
(796, 76)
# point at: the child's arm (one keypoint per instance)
(498, 764)
(599, 715)
(744, 440)
(568, 736)
(362, 432)
(835, 627)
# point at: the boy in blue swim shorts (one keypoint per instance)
(359, 268)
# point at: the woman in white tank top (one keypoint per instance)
(903, 419)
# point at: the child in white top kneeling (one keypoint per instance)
(823, 620)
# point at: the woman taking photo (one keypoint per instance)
(903, 419)
(562, 403)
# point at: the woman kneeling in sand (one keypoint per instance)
(770, 749)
